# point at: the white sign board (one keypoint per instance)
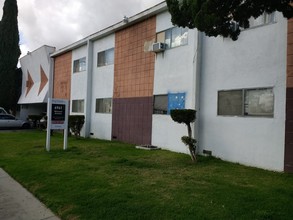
(57, 119)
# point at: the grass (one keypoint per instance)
(97, 179)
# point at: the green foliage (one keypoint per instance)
(188, 141)
(75, 123)
(185, 116)
(97, 179)
(35, 119)
(218, 17)
(9, 54)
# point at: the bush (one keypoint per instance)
(35, 119)
(75, 123)
(186, 116)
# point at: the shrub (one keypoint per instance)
(35, 119)
(186, 116)
(75, 123)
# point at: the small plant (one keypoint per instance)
(186, 116)
(75, 123)
(35, 119)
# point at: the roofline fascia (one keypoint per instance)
(114, 28)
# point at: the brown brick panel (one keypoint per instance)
(62, 76)
(132, 120)
(134, 68)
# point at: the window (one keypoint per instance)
(160, 104)
(78, 106)
(163, 104)
(261, 20)
(104, 105)
(106, 57)
(79, 65)
(246, 102)
(173, 37)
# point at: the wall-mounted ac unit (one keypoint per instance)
(158, 47)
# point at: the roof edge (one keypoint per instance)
(113, 28)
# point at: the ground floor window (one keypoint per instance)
(78, 106)
(163, 104)
(104, 105)
(246, 102)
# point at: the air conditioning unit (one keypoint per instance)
(158, 47)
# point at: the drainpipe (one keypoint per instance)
(88, 100)
(51, 78)
(198, 71)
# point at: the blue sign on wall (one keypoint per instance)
(176, 101)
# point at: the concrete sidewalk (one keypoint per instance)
(17, 203)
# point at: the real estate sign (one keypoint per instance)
(58, 114)
(57, 119)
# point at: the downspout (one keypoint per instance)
(88, 100)
(198, 72)
(51, 78)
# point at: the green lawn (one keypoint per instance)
(97, 179)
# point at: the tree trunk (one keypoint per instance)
(191, 147)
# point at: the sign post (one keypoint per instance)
(57, 119)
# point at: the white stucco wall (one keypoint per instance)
(256, 60)
(79, 79)
(102, 87)
(174, 72)
(32, 63)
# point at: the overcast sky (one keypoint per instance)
(61, 22)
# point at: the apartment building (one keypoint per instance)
(126, 78)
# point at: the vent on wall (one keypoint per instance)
(158, 47)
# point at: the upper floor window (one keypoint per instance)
(265, 18)
(79, 65)
(106, 57)
(173, 37)
(246, 102)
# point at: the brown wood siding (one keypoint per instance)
(133, 83)
(62, 76)
(134, 68)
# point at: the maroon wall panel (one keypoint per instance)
(132, 120)
(288, 166)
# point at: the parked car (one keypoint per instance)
(2, 111)
(9, 121)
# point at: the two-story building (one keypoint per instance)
(126, 78)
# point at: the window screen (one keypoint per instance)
(160, 104)
(230, 102)
(259, 102)
(246, 102)
(78, 106)
(104, 105)
(79, 65)
(106, 57)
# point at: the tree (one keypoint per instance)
(9, 53)
(186, 116)
(225, 18)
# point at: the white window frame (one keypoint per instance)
(245, 109)
(168, 37)
(105, 55)
(77, 106)
(79, 65)
(106, 107)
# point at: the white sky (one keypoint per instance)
(59, 23)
